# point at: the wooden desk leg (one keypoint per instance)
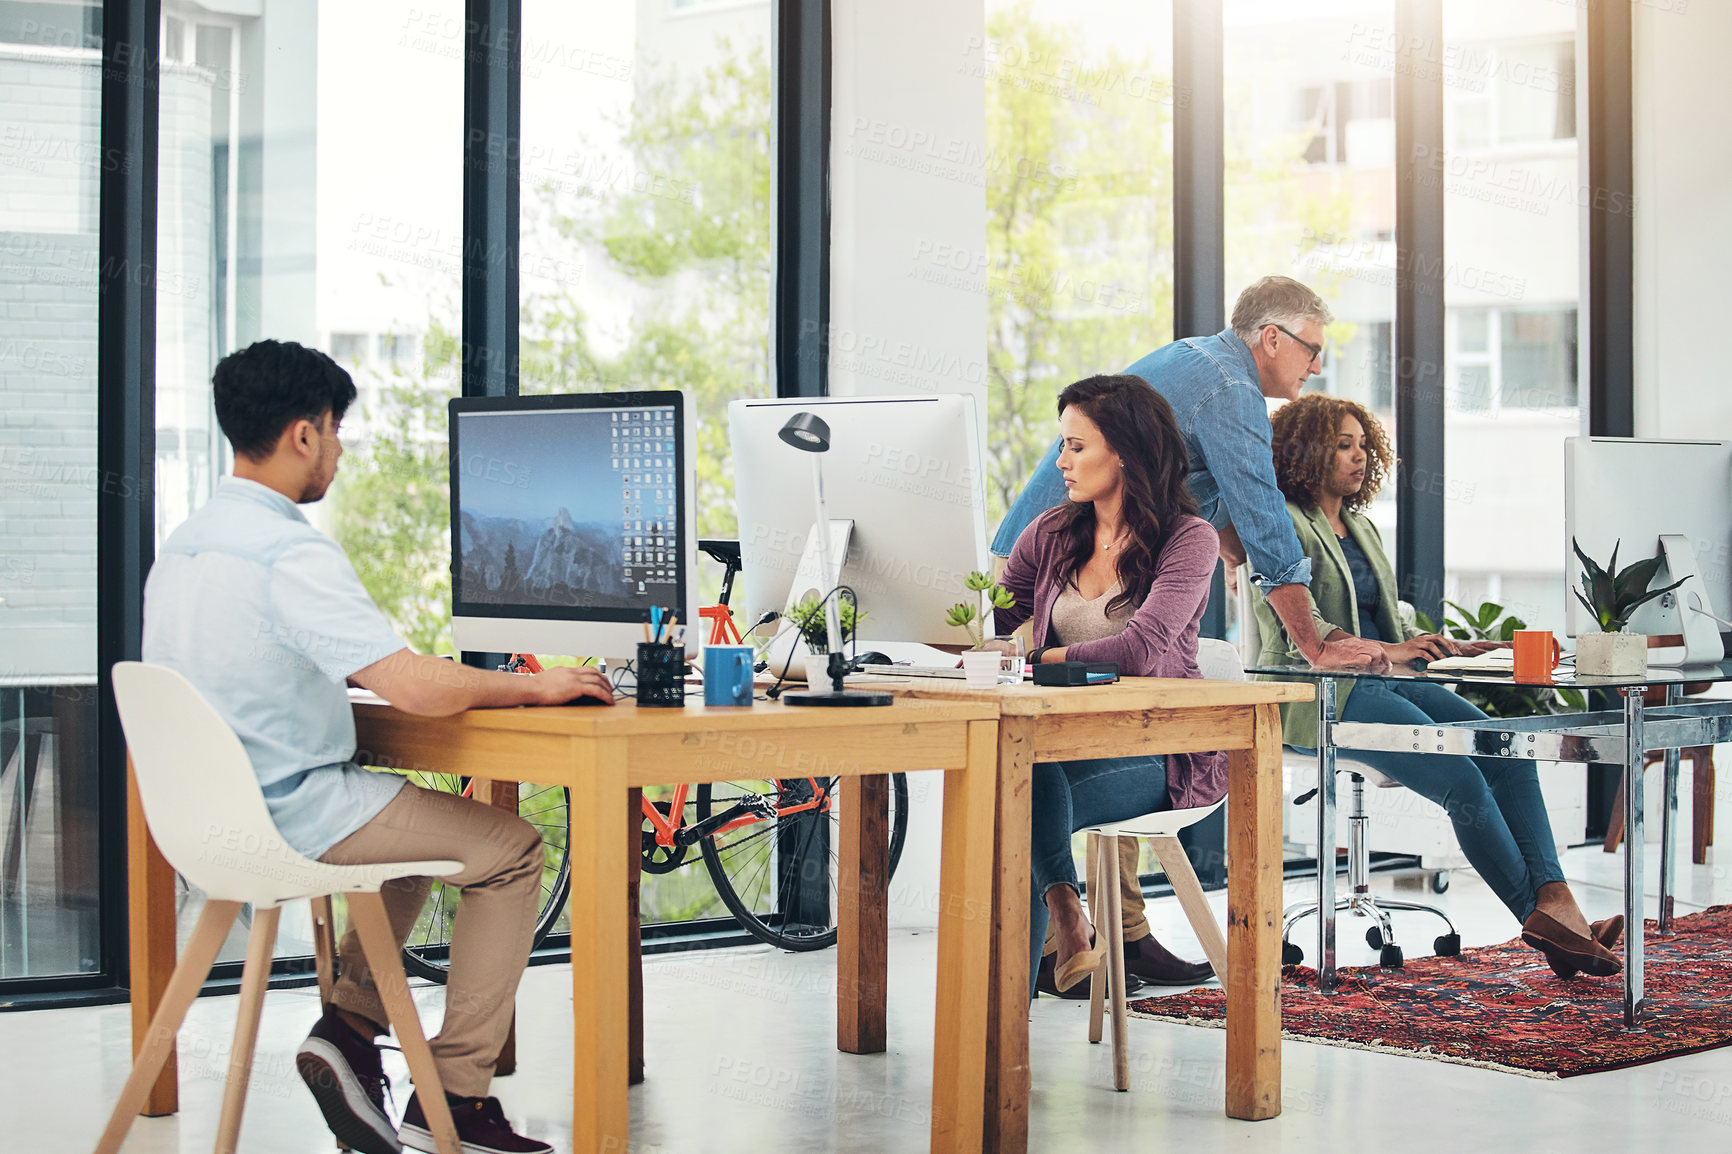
(862, 914)
(965, 925)
(1254, 922)
(634, 932)
(150, 905)
(504, 796)
(600, 979)
(1007, 1074)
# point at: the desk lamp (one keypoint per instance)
(808, 433)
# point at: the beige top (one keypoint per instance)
(1075, 620)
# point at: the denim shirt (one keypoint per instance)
(1211, 383)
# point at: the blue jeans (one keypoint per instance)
(1069, 795)
(1494, 803)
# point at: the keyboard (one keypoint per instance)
(912, 670)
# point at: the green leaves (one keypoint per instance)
(1611, 599)
(1488, 623)
(992, 596)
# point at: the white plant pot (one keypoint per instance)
(980, 668)
(1612, 654)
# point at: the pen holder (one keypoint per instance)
(661, 675)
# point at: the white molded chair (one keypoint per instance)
(1358, 900)
(204, 808)
(1218, 661)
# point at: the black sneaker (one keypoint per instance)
(481, 1127)
(343, 1071)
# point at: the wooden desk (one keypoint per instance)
(605, 756)
(1140, 715)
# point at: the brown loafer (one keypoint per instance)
(1566, 952)
(1609, 931)
(1156, 965)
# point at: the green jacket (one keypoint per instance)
(1333, 606)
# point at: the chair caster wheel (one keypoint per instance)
(1291, 955)
(1448, 945)
(1374, 938)
(1440, 882)
(1389, 957)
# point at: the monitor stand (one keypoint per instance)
(1702, 645)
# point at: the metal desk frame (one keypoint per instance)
(1621, 738)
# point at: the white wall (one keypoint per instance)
(908, 175)
(1683, 218)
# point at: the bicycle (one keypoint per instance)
(760, 842)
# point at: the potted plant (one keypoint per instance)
(972, 618)
(1493, 623)
(1611, 599)
(808, 617)
(980, 664)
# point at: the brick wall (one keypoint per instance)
(49, 168)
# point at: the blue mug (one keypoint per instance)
(728, 675)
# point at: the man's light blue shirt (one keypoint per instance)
(265, 615)
(1211, 383)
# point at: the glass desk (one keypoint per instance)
(1621, 737)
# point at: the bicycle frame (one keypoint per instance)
(670, 833)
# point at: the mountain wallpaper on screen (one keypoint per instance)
(552, 561)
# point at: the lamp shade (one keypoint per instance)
(807, 432)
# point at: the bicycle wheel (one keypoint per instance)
(426, 952)
(777, 876)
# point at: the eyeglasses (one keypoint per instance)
(1316, 351)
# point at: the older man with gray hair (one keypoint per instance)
(1217, 386)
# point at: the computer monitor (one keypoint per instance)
(1626, 493)
(571, 518)
(905, 470)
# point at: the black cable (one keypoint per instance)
(775, 691)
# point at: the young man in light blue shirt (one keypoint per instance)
(1218, 387)
(266, 616)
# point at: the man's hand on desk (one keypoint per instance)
(561, 683)
(436, 687)
(1345, 651)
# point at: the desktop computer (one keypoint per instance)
(1645, 497)
(905, 491)
(571, 520)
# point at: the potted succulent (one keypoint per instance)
(972, 618)
(980, 664)
(1611, 596)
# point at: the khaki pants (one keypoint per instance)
(1130, 897)
(501, 884)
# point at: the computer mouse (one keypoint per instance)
(588, 701)
(871, 657)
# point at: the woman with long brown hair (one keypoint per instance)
(1119, 573)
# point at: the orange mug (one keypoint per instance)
(1536, 654)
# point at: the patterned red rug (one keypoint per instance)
(1502, 1008)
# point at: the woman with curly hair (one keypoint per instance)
(1120, 573)
(1331, 457)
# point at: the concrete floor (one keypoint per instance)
(741, 1058)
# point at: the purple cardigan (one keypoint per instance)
(1160, 640)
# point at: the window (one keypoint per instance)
(1511, 93)
(645, 246)
(1511, 244)
(50, 150)
(646, 212)
(1311, 182)
(1078, 268)
(284, 215)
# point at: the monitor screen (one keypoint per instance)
(568, 507)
